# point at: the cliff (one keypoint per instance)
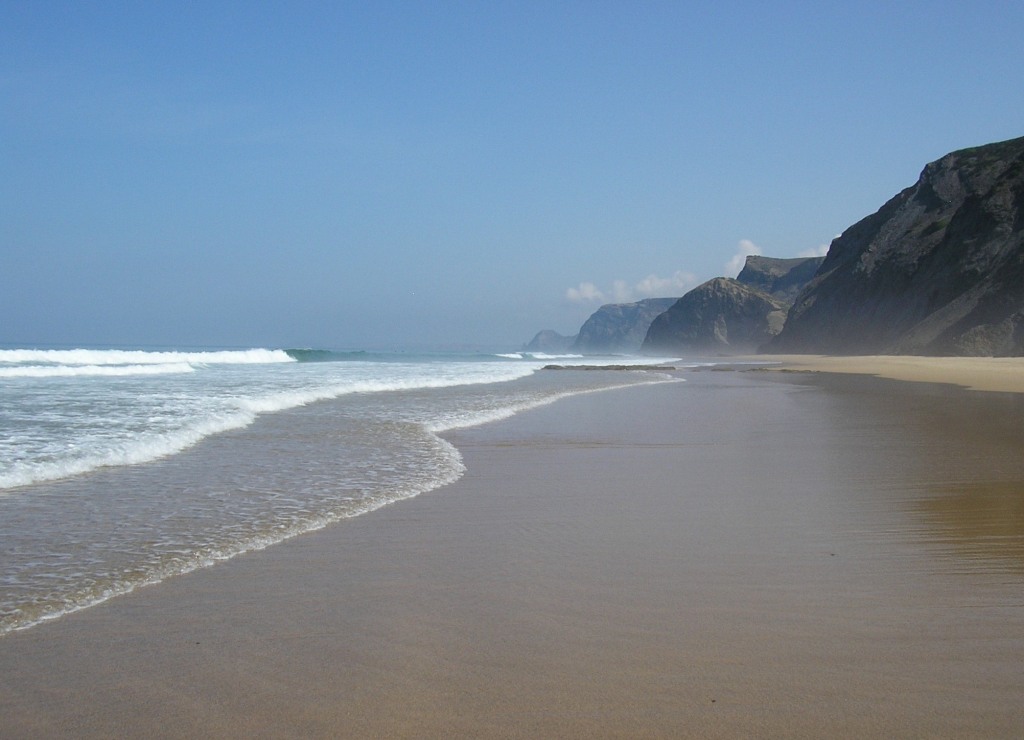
(733, 316)
(782, 279)
(619, 327)
(549, 341)
(937, 270)
(721, 315)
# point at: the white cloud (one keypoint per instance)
(652, 286)
(585, 293)
(819, 251)
(622, 292)
(678, 283)
(744, 249)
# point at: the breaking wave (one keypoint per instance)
(57, 357)
(67, 363)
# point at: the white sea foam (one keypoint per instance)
(139, 449)
(449, 469)
(147, 433)
(68, 371)
(143, 428)
(375, 444)
(465, 420)
(140, 357)
(190, 420)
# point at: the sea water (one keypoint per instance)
(120, 468)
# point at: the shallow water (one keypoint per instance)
(158, 474)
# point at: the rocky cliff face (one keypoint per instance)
(733, 316)
(721, 316)
(782, 279)
(619, 327)
(939, 269)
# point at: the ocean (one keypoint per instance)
(121, 468)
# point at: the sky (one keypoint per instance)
(453, 174)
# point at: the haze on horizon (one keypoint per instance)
(452, 174)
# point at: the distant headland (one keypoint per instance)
(937, 270)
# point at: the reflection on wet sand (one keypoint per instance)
(982, 522)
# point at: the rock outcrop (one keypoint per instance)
(782, 279)
(720, 316)
(726, 316)
(938, 270)
(619, 327)
(549, 341)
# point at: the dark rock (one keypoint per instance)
(722, 316)
(619, 327)
(782, 279)
(725, 316)
(938, 270)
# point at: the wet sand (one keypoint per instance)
(740, 555)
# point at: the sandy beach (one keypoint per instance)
(743, 554)
(1003, 374)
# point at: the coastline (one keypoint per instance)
(999, 374)
(743, 554)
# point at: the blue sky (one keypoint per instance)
(398, 174)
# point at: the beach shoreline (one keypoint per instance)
(997, 374)
(741, 554)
